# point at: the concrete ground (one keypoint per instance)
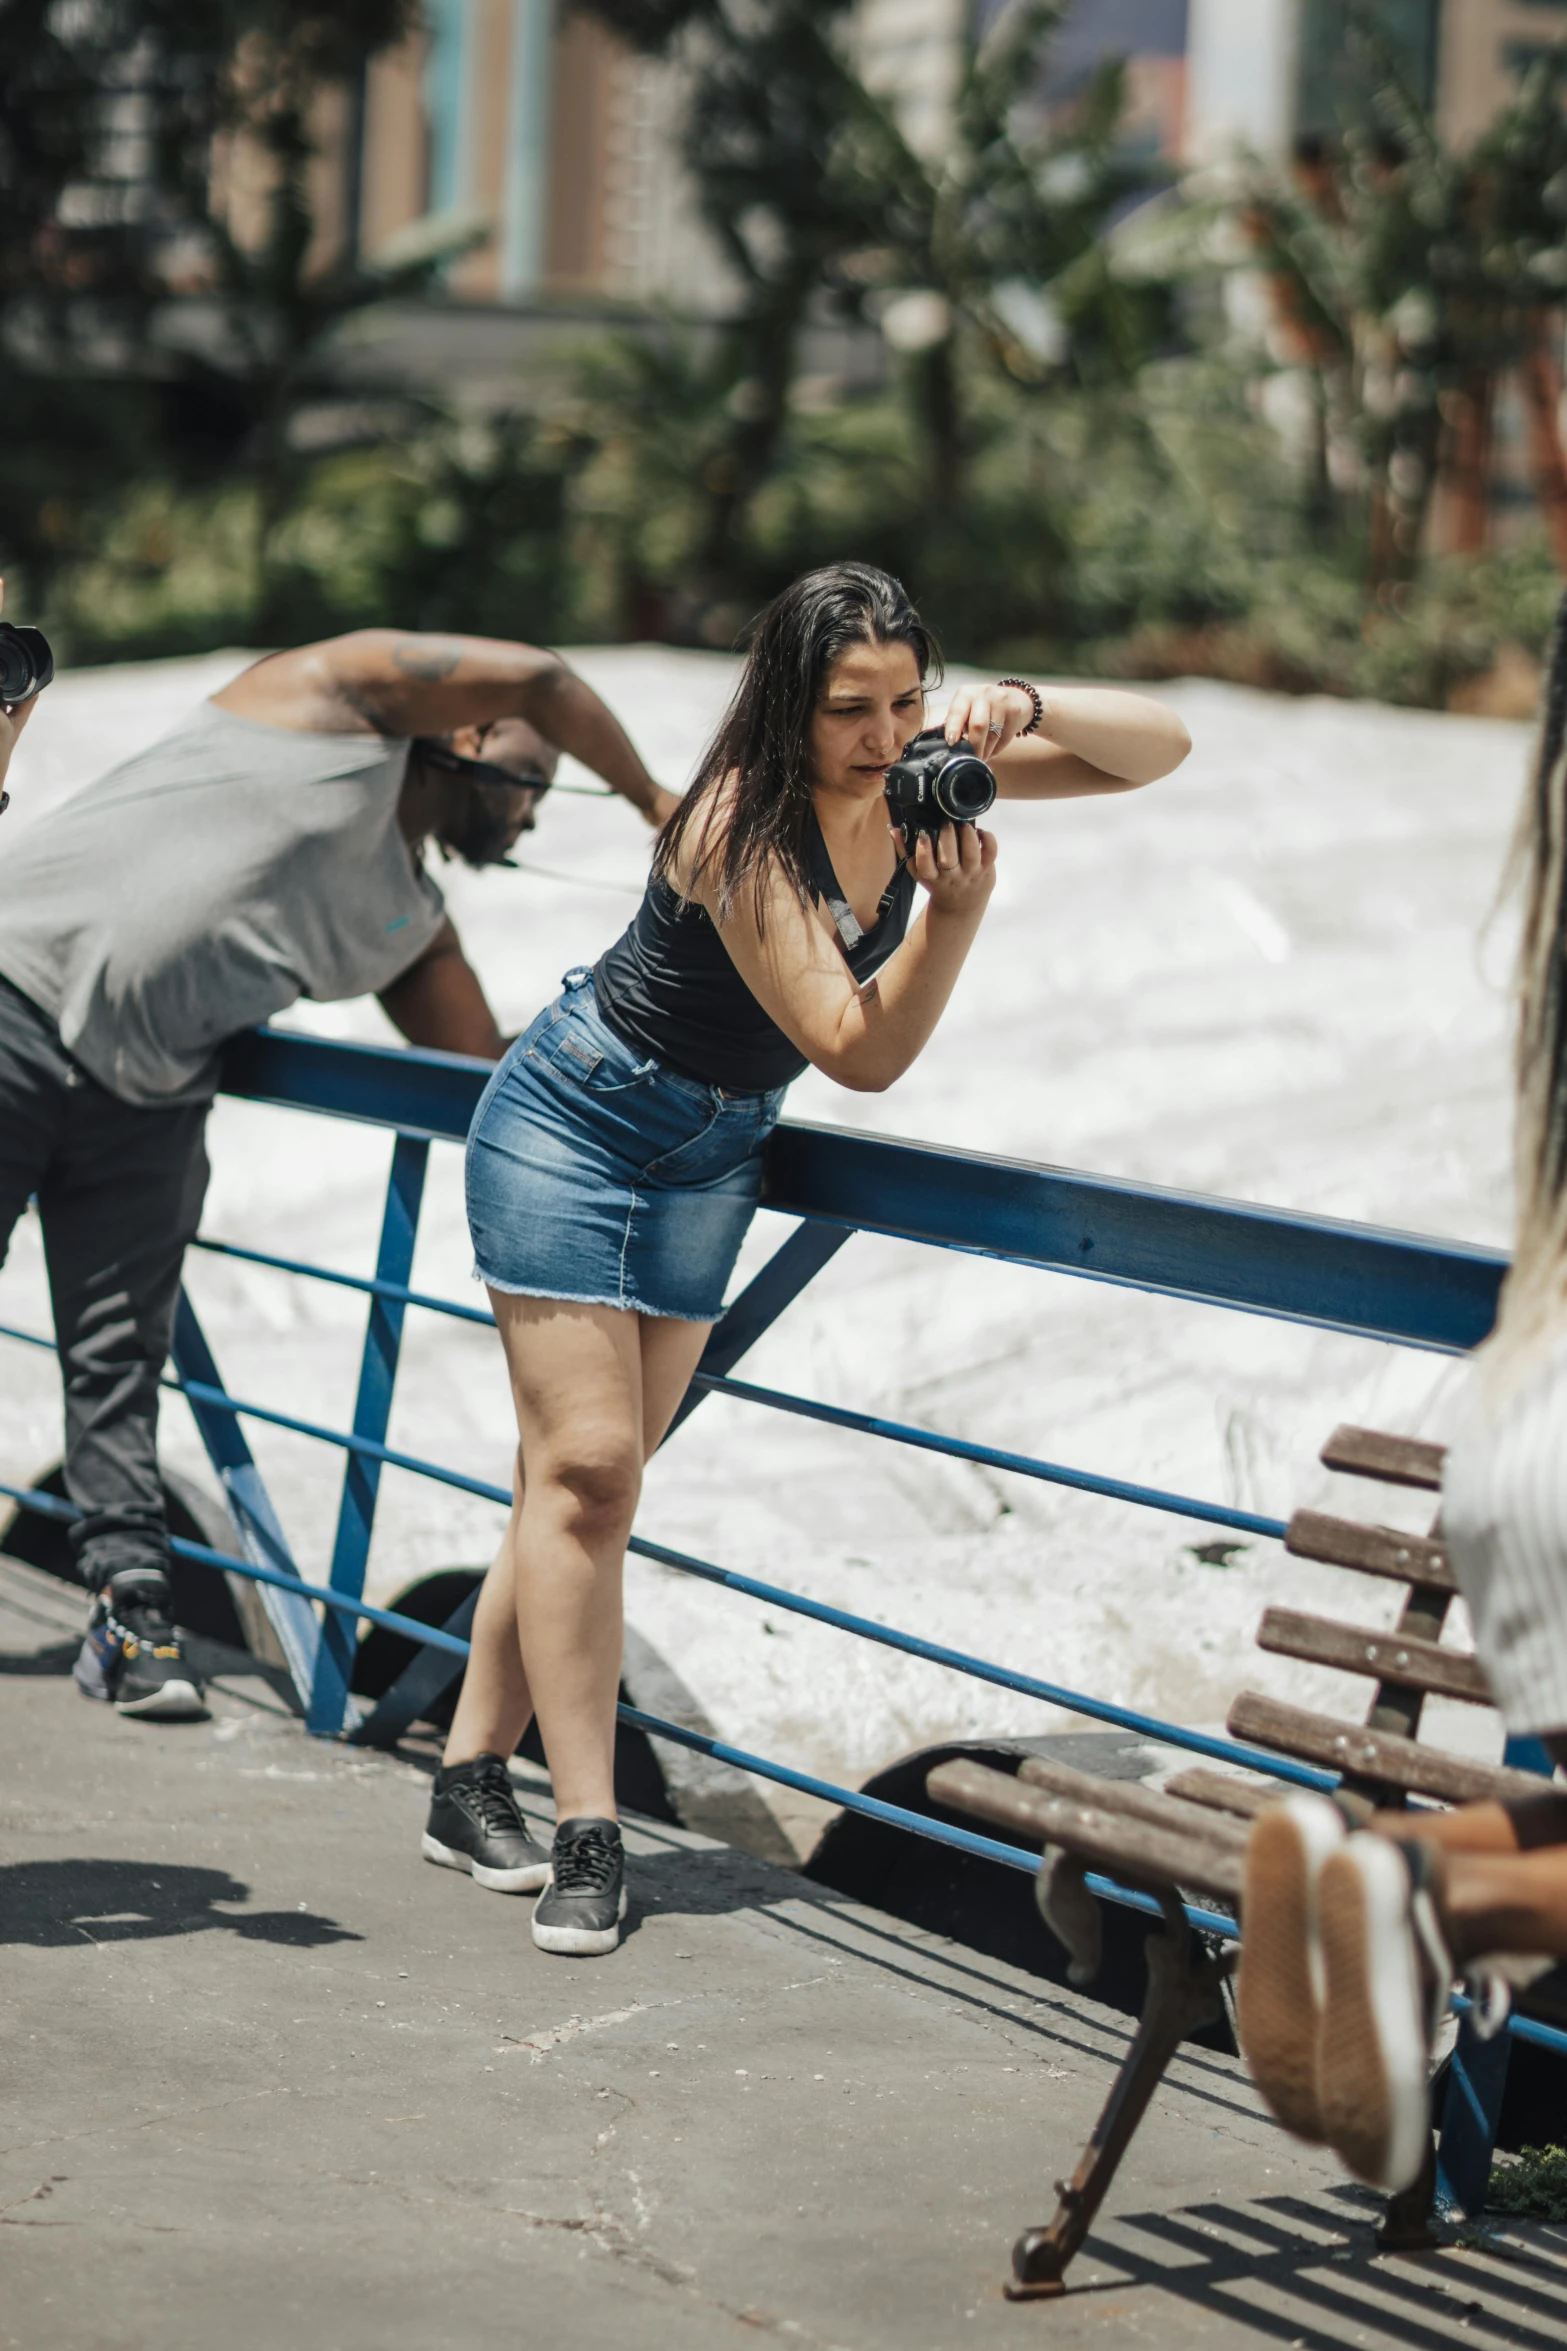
(270, 2079)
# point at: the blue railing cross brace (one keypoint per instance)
(329, 1706)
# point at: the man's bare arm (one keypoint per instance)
(395, 682)
(439, 1003)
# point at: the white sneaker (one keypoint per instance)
(1278, 1983)
(1388, 1979)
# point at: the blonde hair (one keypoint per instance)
(1534, 1296)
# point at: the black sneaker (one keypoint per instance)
(586, 1899)
(475, 1825)
(132, 1658)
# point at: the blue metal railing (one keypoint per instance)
(1394, 1287)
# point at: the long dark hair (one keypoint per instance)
(1535, 1295)
(764, 738)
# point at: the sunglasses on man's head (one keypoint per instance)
(481, 771)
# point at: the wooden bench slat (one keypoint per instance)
(1378, 1551)
(1399, 1658)
(1009, 1801)
(1396, 1461)
(1243, 1799)
(1129, 1798)
(1373, 1755)
(1108, 1840)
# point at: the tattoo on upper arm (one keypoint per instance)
(426, 662)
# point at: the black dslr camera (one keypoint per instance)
(936, 783)
(26, 664)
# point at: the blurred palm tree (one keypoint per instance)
(998, 238)
(1411, 280)
(988, 247)
(770, 105)
(167, 295)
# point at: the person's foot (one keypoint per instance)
(132, 1659)
(475, 1825)
(1387, 1977)
(583, 1906)
(1278, 1982)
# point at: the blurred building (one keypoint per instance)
(1268, 73)
(542, 124)
(536, 120)
(1146, 37)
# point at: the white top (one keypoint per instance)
(1504, 1520)
(202, 887)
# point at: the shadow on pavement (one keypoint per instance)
(1318, 2284)
(58, 1659)
(54, 1903)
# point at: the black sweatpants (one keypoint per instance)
(119, 1195)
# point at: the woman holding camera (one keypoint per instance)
(615, 1159)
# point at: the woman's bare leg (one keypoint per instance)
(494, 1704)
(671, 1352)
(594, 1390)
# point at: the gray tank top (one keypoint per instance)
(202, 887)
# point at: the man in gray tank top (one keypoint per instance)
(270, 847)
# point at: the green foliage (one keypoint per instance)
(1150, 534)
(463, 525)
(1072, 459)
(821, 206)
(86, 390)
(1409, 274)
(1534, 2187)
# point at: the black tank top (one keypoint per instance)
(668, 988)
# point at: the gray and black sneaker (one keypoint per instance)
(475, 1825)
(586, 1900)
(132, 1657)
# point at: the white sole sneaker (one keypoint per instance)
(1381, 2000)
(176, 1702)
(1278, 1984)
(586, 1942)
(526, 1880)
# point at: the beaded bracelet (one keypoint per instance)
(1032, 692)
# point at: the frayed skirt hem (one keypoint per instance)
(581, 1298)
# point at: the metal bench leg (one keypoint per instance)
(1407, 2225)
(1183, 1995)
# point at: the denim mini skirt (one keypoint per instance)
(596, 1175)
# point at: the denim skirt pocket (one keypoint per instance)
(580, 1051)
(598, 1178)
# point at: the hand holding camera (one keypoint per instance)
(935, 784)
(988, 718)
(935, 794)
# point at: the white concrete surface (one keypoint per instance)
(1264, 978)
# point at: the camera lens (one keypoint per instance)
(16, 673)
(26, 663)
(964, 789)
